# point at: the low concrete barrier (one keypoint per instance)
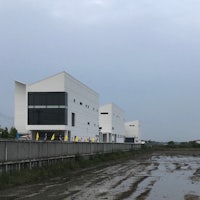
(14, 152)
(27, 150)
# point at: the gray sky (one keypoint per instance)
(142, 55)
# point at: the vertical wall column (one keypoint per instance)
(6, 156)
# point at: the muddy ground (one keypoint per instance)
(169, 175)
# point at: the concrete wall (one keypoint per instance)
(11, 151)
(132, 129)
(20, 107)
(105, 118)
(111, 120)
(84, 102)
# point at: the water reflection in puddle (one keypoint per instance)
(175, 175)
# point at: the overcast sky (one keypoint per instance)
(143, 55)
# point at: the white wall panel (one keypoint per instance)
(20, 112)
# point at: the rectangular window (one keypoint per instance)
(73, 119)
(47, 98)
(104, 113)
(51, 116)
(47, 108)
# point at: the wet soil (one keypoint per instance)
(169, 175)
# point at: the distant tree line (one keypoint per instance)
(189, 144)
(172, 144)
(5, 133)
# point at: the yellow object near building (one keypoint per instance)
(76, 139)
(66, 138)
(37, 136)
(53, 137)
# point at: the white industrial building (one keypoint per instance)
(59, 105)
(132, 133)
(111, 123)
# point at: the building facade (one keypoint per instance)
(111, 123)
(132, 133)
(59, 105)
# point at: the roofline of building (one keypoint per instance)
(65, 73)
(113, 105)
(18, 82)
(137, 120)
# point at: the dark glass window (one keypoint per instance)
(30, 98)
(104, 113)
(46, 116)
(131, 140)
(47, 98)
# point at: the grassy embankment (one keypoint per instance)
(64, 169)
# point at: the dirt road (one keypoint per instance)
(157, 177)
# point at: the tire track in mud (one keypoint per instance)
(123, 173)
(129, 171)
(121, 181)
(124, 177)
(135, 187)
(97, 181)
(104, 174)
(71, 193)
(143, 195)
(116, 171)
(147, 190)
(102, 177)
(131, 190)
